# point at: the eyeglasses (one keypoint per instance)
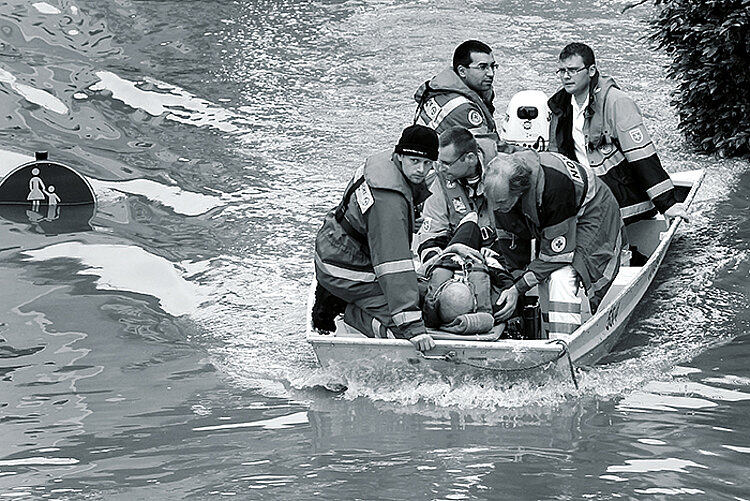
(569, 72)
(448, 165)
(485, 67)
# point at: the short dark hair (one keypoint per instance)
(462, 54)
(578, 49)
(461, 138)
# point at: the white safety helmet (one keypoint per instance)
(527, 120)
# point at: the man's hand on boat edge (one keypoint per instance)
(677, 210)
(423, 342)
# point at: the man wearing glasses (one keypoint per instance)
(461, 95)
(598, 125)
(458, 211)
(457, 194)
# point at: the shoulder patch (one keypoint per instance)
(364, 196)
(558, 243)
(426, 225)
(474, 117)
(636, 135)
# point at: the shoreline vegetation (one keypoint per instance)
(710, 51)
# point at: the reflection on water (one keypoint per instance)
(144, 273)
(159, 353)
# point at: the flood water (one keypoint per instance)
(161, 355)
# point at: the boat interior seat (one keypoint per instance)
(645, 235)
(624, 277)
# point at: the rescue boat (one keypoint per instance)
(493, 351)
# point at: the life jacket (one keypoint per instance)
(378, 172)
(446, 101)
(459, 204)
(589, 239)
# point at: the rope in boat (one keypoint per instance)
(564, 352)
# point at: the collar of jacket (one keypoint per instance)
(532, 199)
(599, 87)
(598, 90)
(448, 81)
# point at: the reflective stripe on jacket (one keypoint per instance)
(619, 148)
(576, 221)
(449, 204)
(373, 244)
(445, 101)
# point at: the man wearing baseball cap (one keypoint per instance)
(363, 258)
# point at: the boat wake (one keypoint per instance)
(257, 338)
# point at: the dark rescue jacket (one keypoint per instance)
(575, 220)
(619, 149)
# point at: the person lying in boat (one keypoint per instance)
(363, 250)
(458, 295)
(457, 191)
(577, 225)
(596, 124)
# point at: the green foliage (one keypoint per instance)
(709, 42)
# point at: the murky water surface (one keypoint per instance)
(161, 354)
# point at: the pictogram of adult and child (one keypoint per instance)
(38, 192)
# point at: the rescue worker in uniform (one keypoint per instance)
(576, 222)
(458, 191)
(462, 94)
(598, 125)
(363, 250)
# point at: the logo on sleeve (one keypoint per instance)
(474, 117)
(364, 197)
(636, 135)
(558, 244)
(426, 225)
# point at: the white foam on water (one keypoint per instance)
(129, 268)
(38, 461)
(652, 465)
(37, 96)
(45, 8)
(169, 100)
(737, 448)
(277, 423)
(181, 201)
